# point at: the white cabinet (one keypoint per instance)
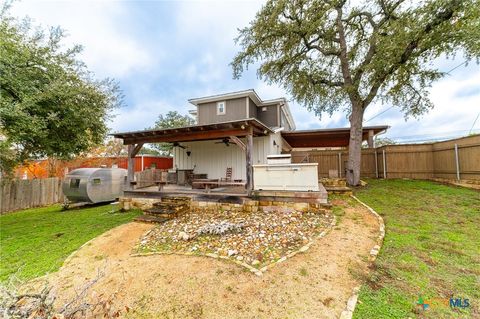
(287, 177)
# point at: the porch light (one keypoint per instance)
(189, 153)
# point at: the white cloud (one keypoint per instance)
(109, 49)
(453, 114)
(139, 116)
(206, 30)
(188, 57)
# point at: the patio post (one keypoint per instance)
(249, 161)
(371, 141)
(132, 151)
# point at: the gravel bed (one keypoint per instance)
(256, 238)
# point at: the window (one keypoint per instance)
(96, 181)
(75, 183)
(221, 108)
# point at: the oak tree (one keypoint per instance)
(171, 119)
(345, 55)
(51, 106)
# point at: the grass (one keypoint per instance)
(36, 241)
(431, 249)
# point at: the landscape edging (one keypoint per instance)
(352, 301)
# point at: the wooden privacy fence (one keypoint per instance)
(453, 159)
(21, 194)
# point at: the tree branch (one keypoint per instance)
(409, 51)
(365, 14)
(324, 81)
(310, 44)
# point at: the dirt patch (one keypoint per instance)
(316, 284)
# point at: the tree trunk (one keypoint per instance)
(355, 146)
(52, 167)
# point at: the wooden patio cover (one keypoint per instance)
(196, 132)
(336, 137)
(233, 130)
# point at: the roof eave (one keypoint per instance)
(239, 94)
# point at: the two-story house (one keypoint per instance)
(243, 105)
(214, 156)
(234, 132)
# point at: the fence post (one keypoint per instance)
(384, 166)
(376, 164)
(340, 165)
(457, 164)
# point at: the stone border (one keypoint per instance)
(352, 301)
(258, 272)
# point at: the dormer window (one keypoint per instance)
(221, 110)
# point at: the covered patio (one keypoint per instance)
(330, 137)
(239, 133)
(203, 152)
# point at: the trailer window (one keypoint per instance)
(96, 181)
(74, 183)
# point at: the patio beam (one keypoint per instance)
(239, 142)
(137, 149)
(186, 136)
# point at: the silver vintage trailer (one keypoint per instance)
(94, 185)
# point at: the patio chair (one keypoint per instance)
(228, 175)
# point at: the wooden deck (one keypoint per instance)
(217, 194)
(171, 190)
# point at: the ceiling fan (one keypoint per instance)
(225, 141)
(176, 144)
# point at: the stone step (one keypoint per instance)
(171, 204)
(169, 209)
(150, 219)
(176, 200)
(339, 190)
(165, 212)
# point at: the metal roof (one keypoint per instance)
(333, 137)
(196, 132)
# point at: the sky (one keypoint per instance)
(164, 52)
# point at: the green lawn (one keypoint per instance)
(431, 249)
(36, 241)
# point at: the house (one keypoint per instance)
(235, 133)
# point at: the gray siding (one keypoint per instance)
(283, 121)
(252, 109)
(270, 116)
(235, 110)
